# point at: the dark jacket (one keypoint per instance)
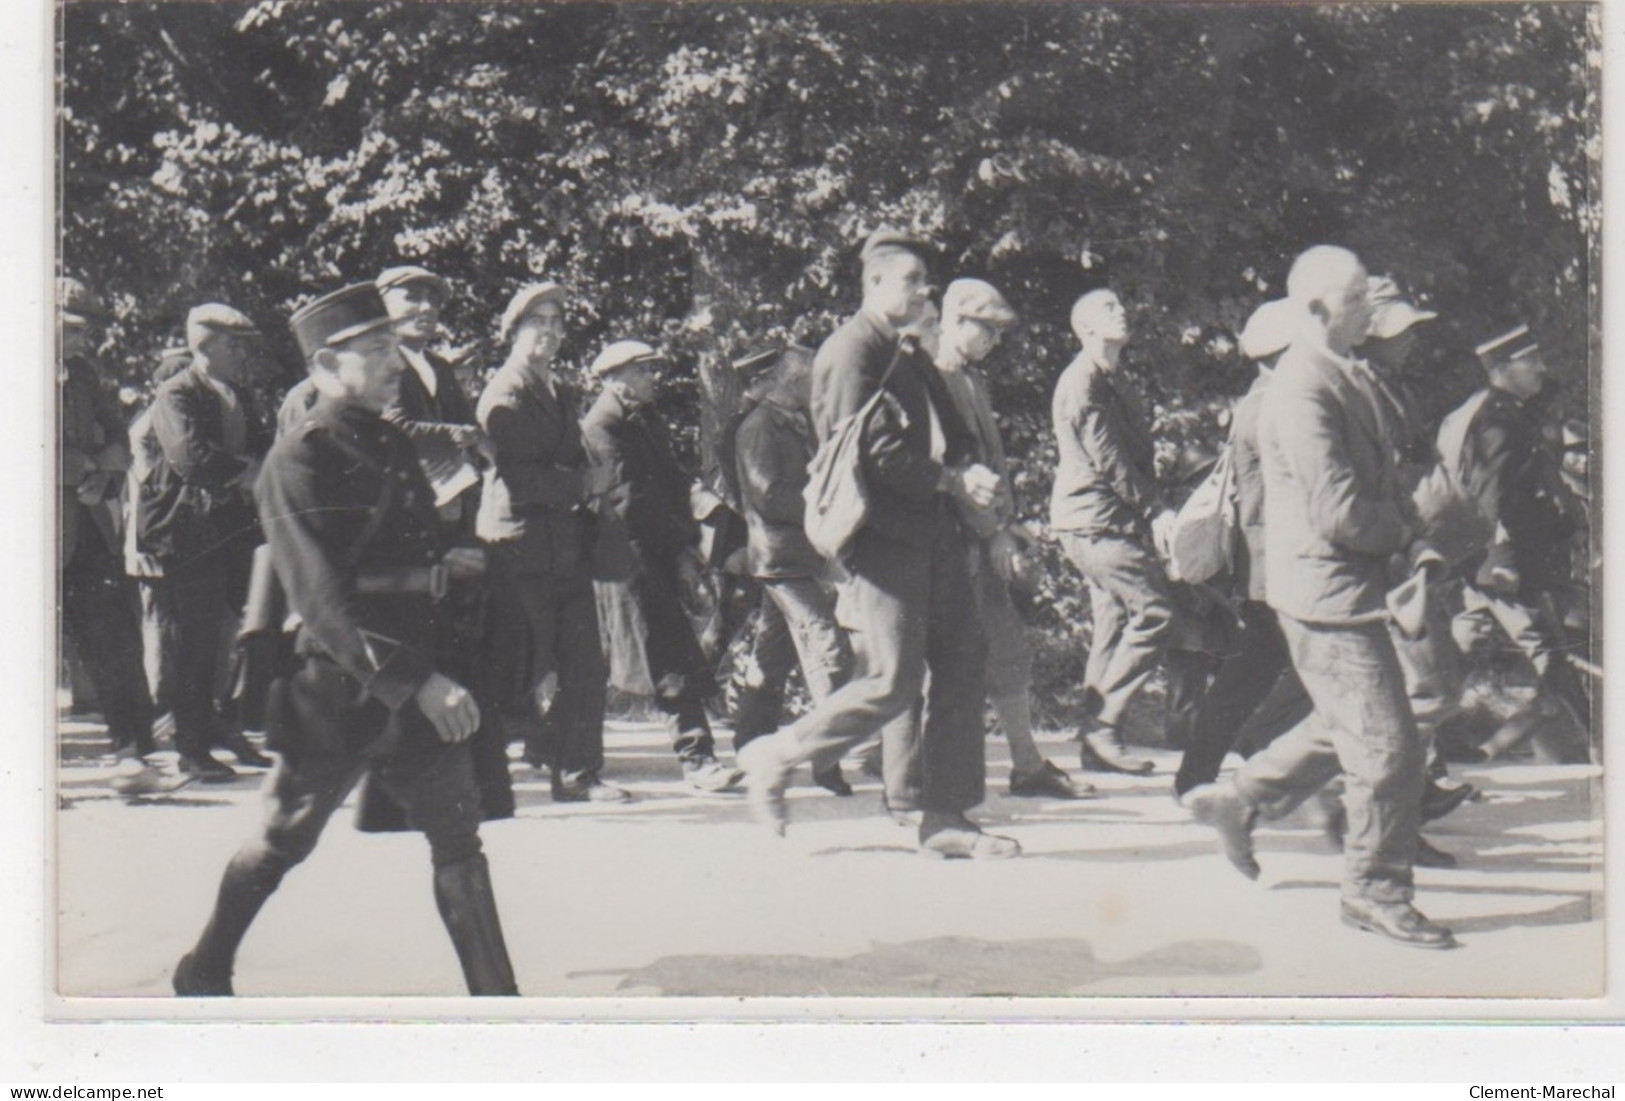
(647, 504)
(534, 497)
(191, 510)
(1105, 475)
(772, 449)
(340, 494)
(897, 463)
(1334, 509)
(89, 423)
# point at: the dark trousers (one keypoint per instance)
(682, 676)
(1131, 617)
(915, 610)
(188, 612)
(1244, 681)
(99, 618)
(795, 622)
(547, 624)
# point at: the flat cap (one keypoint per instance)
(334, 318)
(1391, 312)
(217, 317)
(978, 301)
(524, 298)
(882, 241)
(76, 302)
(1507, 347)
(411, 273)
(1270, 329)
(620, 354)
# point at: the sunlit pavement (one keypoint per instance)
(677, 894)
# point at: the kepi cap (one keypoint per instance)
(411, 273)
(620, 354)
(77, 304)
(1271, 329)
(1507, 347)
(1391, 312)
(334, 318)
(524, 298)
(977, 300)
(882, 241)
(758, 363)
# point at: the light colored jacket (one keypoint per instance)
(1334, 512)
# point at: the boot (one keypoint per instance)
(251, 878)
(235, 742)
(462, 891)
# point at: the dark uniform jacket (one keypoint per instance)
(430, 419)
(190, 513)
(771, 450)
(1105, 475)
(340, 494)
(1515, 482)
(898, 465)
(89, 423)
(534, 497)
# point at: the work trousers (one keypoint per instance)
(186, 612)
(1537, 630)
(795, 622)
(914, 610)
(1245, 680)
(546, 624)
(1362, 727)
(98, 613)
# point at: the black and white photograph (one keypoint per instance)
(1052, 505)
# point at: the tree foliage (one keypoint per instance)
(699, 173)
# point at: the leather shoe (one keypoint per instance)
(588, 788)
(237, 744)
(710, 775)
(967, 842)
(1223, 808)
(831, 780)
(1103, 751)
(209, 769)
(1049, 781)
(1398, 921)
(1427, 856)
(148, 780)
(189, 981)
(766, 780)
(1439, 800)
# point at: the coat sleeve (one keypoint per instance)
(604, 449)
(177, 422)
(521, 463)
(301, 529)
(850, 376)
(1310, 435)
(769, 483)
(1097, 435)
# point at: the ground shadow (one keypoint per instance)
(936, 967)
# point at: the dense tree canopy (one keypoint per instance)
(699, 173)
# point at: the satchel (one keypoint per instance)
(836, 495)
(1202, 537)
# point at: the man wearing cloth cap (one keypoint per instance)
(1494, 449)
(1246, 678)
(358, 547)
(98, 609)
(647, 556)
(909, 590)
(194, 522)
(534, 519)
(796, 621)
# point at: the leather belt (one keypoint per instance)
(430, 580)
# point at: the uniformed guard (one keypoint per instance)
(351, 522)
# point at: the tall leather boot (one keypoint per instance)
(252, 877)
(469, 908)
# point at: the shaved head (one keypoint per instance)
(1099, 313)
(1330, 284)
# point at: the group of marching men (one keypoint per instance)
(440, 575)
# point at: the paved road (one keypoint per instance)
(680, 895)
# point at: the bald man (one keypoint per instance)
(1336, 519)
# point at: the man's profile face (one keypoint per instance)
(973, 338)
(898, 287)
(1106, 318)
(76, 337)
(539, 333)
(1348, 311)
(638, 381)
(1524, 377)
(368, 368)
(415, 308)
